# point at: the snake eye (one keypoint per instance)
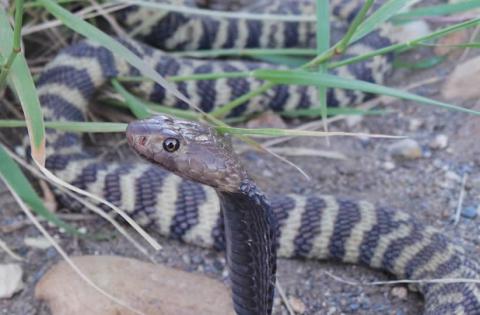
(171, 144)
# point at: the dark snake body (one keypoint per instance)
(313, 227)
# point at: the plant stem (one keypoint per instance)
(16, 49)
(406, 45)
(323, 44)
(190, 77)
(340, 47)
(253, 52)
(345, 41)
(240, 100)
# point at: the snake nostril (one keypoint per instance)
(142, 140)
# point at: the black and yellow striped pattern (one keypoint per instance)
(316, 226)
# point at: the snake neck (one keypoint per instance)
(250, 248)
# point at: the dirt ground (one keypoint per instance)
(428, 187)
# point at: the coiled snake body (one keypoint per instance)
(315, 226)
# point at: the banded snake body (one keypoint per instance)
(315, 226)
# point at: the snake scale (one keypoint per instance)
(315, 226)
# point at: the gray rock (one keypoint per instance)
(470, 212)
(10, 280)
(440, 142)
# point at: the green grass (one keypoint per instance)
(15, 70)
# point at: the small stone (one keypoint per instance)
(470, 212)
(411, 30)
(10, 280)
(353, 121)
(461, 82)
(268, 119)
(297, 305)
(388, 166)
(407, 149)
(354, 307)
(440, 142)
(37, 242)
(399, 292)
(414, 124)
(452, 176)
(446, 44)
(196, 259)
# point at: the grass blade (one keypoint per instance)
(17, 180)
(332, 111)
(22, 82)
(96, 35)
(409, 44)
(275, 132)
(436, 10)
(298, 77)
(220, 14)
(383, 14)
(72, 126)
(323, 44)
(138, 109)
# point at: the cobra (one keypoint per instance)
(312, 227)
(196, 152)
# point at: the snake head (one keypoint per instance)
(189, 149)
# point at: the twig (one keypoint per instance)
(475, 33)
(458, 211)
(11, 253)
(113, 23)
(284, 298)
(401, 281)
(85, 14)
(314, 125)
(87, 204)
(80, 273)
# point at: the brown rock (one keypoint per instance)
(297, 305)
(406, 149)
(444, 44)
(267, 119)
(151, 289)
(463, 81)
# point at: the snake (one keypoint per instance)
(189, 207)
(197, 153)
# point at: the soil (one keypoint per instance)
(428, 187)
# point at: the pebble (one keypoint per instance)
(460, 83)
(10, 280)
(407, 149)
(37, 242)
(297, 305)
(452, 176)
(354, 307)
(440, 142)
(388, 166)
(399, 292)
(470, 212)
(414, 124)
